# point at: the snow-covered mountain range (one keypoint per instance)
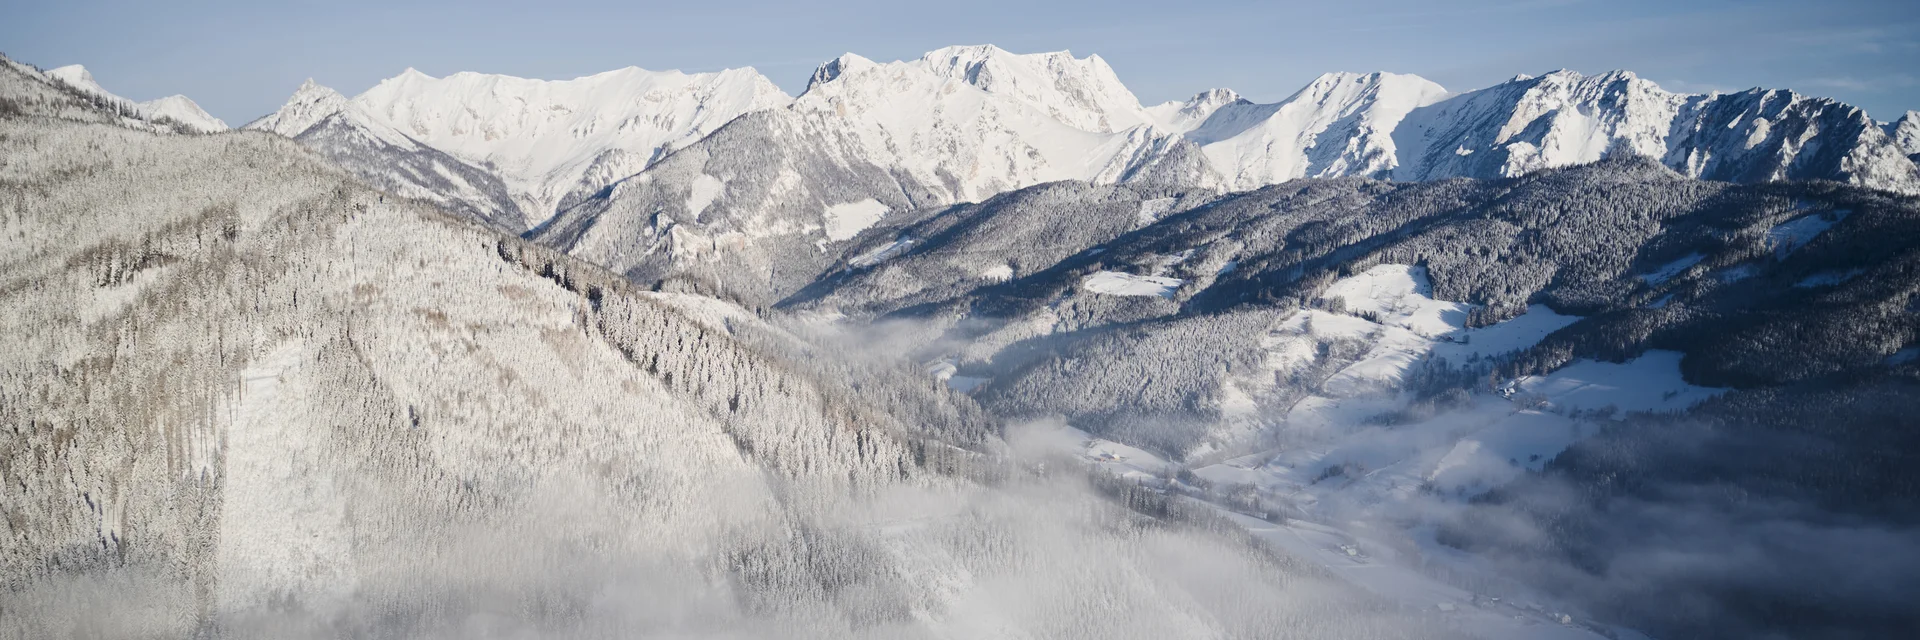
(964, 123)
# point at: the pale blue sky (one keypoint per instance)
(240, 60)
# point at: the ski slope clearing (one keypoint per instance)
(882, 253)
(1788, 237)
(1115, 283)
(1669, 270)
(1828, 278)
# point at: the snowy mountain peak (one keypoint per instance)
(310, 103)
(831, 69)
(543, 136)
(1906, 134)
(1339, 124)
(77, 77)
(1355, 86)
(1181, 116)
(185, 111)
(1083, 93)
(73, 74)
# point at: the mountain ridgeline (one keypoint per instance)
(584, 162)
(973, 345)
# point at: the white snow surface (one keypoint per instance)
(1906, 133)
(1673, 269)
(1339, 125)
(1181, 116)
(1116, 283)
(183, 110)
(848, 219)
(1650, 382)
(1788, 237)
(1082, 93)
(882, 253)
(1349, 550)
(975, 122)
(1402, 296)
(542, 136)
(706, 189)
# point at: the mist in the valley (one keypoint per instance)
(1041, 553)
(1724, 532)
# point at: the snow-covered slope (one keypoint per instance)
(897, 134)
(974, 133)
(1340, 125)
(556, 141)
(1181, 116)
(1082, 93)
(325, 121)
(185, 111)
(175, 110)
(1906, 134)
(1565, 118)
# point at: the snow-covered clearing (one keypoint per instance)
(704, 190)
(1151, 210)
(848, 219)
(882, 253)
(1402, 297)
(1126, 284)
(1650, 382)
(1828, 278)
(1788, 237)
(1669, 270)
(282, 525)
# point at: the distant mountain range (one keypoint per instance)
(961, 124)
